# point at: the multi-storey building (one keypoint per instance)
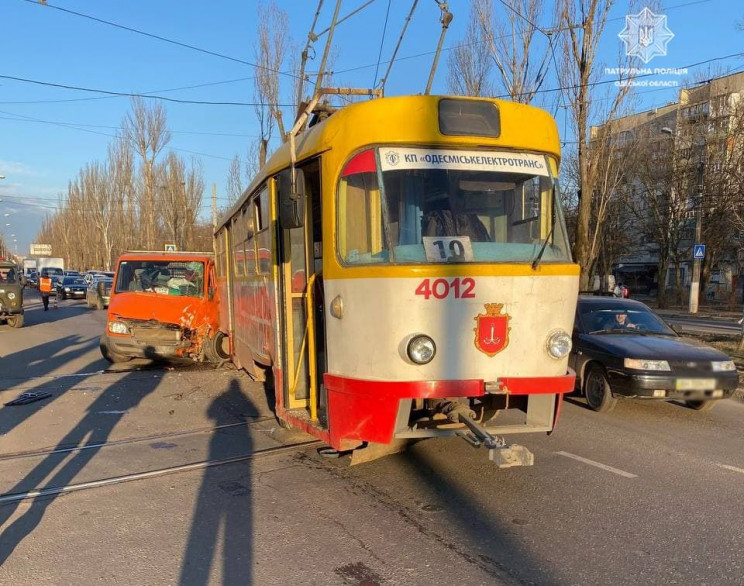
(680, 157)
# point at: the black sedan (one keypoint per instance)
(72, 286)
(623, 349)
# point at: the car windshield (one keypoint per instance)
(621, 318)
(438, 205)
(161, 277)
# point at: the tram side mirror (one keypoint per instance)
(291, 202)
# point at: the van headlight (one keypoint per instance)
(421, 349)
(118, 327)
(559, 344)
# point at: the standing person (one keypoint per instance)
(45, 288)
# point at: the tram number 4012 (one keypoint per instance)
(442, 288)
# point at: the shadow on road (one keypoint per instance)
(58, 470)
(41, 361)
(222, 526)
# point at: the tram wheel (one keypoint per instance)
(597, 390)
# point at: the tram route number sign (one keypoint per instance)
(448, 248)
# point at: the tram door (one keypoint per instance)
(302, 263)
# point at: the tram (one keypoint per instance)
(401, 268)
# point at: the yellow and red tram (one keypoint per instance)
(405, 273)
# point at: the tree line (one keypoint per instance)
(140, 197)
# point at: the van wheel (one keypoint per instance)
(109, 354)
(216, 348)
(15, 321)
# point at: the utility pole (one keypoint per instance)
(214, 217)
(214, 206)
(696, 262)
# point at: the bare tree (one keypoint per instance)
(470, 62)
(181, 193)
(270, 51)
(234, 180)
(510, 42)
(583, 22)
(145, 128)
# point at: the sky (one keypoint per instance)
(49, 133)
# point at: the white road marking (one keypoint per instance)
(598, 465)
(732, 468)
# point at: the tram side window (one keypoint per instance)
(263, 237)
(360, 223)
(221, 258)
(249, 234)
(237, 245)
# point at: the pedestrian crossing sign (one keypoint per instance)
(170, 248)
(699, 251)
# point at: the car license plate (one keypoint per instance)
(696, 384)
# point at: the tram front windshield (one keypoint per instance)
(449, 206)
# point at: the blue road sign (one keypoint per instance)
(699, 251)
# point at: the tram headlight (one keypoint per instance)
(118, 327)
(421, 349)
(559, 344)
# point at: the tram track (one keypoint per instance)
(8, 498)
(131, 440)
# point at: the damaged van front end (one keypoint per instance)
(164, 306)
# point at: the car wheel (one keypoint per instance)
(597, 390)
(63, 295)
(701, 405)
(15, 321)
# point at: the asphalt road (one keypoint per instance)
(649, 493)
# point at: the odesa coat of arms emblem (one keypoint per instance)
(492, 331)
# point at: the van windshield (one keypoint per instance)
(161, 277)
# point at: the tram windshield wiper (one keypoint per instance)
(536, 262)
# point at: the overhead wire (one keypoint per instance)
(187, 87)
(134, 94)
(382, 43)
(159, 38)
